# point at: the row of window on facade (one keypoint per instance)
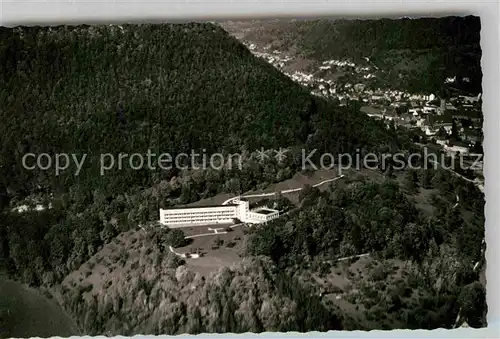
(201, 217)
(197, 216)
(199, 213)
(195, 220)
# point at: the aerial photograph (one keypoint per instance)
(269, 175)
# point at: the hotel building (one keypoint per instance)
(218, 214)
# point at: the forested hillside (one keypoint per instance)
(438, 280)
(413, 54)
(168, 88)
(149, 290)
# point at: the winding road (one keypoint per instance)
(476, 181)
(479, 184)
(292, 190)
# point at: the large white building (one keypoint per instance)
(219, 214)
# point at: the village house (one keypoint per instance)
(437, 121)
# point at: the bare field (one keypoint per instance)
(223, 257)
(197, 230)
(214, 258)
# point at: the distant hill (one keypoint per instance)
(424, 51)
(169, 88)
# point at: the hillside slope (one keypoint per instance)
(136, 286)
(168, 88)
(111, 89)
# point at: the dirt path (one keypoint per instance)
(292, 190)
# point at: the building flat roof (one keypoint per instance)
(264, 210)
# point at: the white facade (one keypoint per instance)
(209, 215)
(262, 215)
(201, 215)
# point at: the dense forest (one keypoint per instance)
(173, 88)
(168, 88)
(445, 47)
(382, 219)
